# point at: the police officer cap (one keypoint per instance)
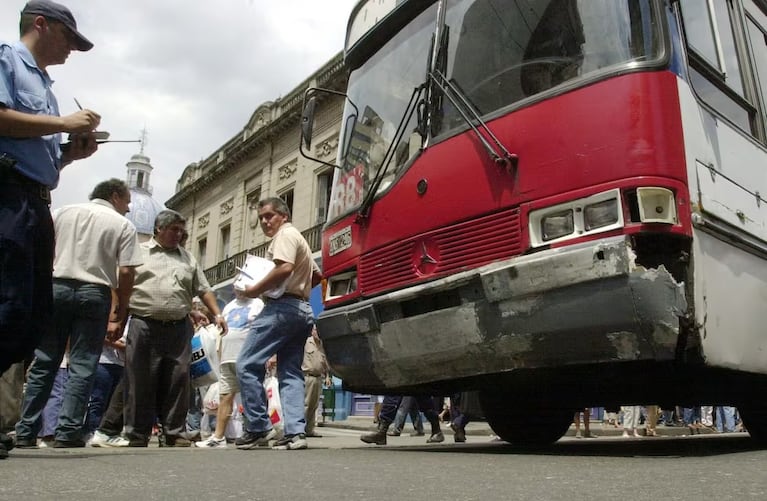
(57, 12)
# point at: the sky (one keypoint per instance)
(190, 72)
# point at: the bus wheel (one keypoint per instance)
(522, 423)
(755, 420)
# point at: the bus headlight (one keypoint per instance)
(341, 285)
(580, 217)
(600, 214)
(557, 225)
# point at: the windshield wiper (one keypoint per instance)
(499, 153)
(415, 103)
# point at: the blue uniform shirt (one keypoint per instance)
(25, 88)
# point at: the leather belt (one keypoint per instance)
(9, 175)
(286, 295)
(167, 323)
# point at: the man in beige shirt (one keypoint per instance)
(158, 346)
(96, 251)
(281, 328)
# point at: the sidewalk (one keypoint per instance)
(481, 428)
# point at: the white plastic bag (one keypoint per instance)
(274, 407)
(211, 399)
(204, 367)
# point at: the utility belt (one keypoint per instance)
(9, 175)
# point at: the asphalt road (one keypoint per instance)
(340, 467)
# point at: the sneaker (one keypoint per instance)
(436, 438)
(99, 439)
(253, 439)
(114, 441)
(212, 443)
(291, 442)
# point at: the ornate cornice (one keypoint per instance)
(332, 75)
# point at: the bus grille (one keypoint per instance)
(461, 247)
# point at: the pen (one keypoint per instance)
(77, 103)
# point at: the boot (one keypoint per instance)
(436, 432)
(377, 437)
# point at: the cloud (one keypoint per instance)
(192, 73)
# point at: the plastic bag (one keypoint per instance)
(211, 399)
(274, 407)
(204, 367)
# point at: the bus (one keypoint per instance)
(554, 203)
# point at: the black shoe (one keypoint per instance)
(3, 452)
(459, 434)
(68, 444)
(253, 439)
(176, 442)
(6, 442)
(26, 443)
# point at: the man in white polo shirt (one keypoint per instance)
(96, 251)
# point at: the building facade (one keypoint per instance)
(218, 195)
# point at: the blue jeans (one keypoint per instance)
(80, 312)
(725, 418)
(50, 413)
(104, 384)
(282, 329)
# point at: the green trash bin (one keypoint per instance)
(328, 403)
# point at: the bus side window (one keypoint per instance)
(716, 65)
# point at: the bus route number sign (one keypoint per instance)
(340, 241)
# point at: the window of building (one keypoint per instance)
(324, 185)
(287, 196)
(140, 180)
(202, 250)
(223, 242)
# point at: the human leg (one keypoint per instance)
(50, 415)
(386, 416)
(86, 339)
(652, 420)
(142, 367)
(312, 387)
(112, 421)
(173, 391)
(42, 372)
(26, 261)
(104, 384)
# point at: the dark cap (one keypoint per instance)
(57, 12)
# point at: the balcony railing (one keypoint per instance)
(227, 268)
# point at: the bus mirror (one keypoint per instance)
(307, 122)
(311, 97)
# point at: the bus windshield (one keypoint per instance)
(499, 54)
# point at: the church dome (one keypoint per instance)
(143, 208)
(143, 211)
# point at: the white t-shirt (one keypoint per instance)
(239, 315)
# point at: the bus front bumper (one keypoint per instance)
(583, 304)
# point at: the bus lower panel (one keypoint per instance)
(585, 306)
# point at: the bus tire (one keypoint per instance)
(524, 423)
(755, 421)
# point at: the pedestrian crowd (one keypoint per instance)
(106, 322)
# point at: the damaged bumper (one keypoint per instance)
(583, 304)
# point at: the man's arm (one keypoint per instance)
(24, 125)
(126, 277)
(209, 300)
(272, 280)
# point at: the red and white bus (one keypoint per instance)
(557, 203)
